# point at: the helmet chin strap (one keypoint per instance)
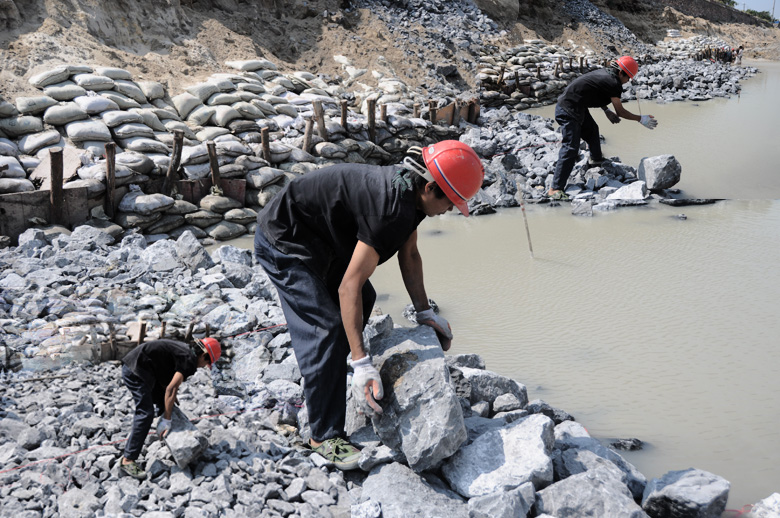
(412, 165)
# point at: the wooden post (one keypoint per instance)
(560, 63)
(580, 63)
(55, 195)
(344, 115)
(416, 110)
(141, 332)
(173, 166)
(455, 113)
(383, 112)
(555, 70)
(208, 330)
(162, 330)
(188, 332)
(432, 111)
(371, 120)
(501, 76)
(538, 72)
(517, 81)
(110, 178)
(266, 144)
(212, 148)
(307, 134)
(570, 65)
(319, 113)
(472, 116)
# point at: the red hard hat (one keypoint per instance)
(211, 346)
(628, 65)
(456, 169)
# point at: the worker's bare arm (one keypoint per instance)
(622, 112)
(170, 393)
(363, 263)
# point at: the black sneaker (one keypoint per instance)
(596, 162)
(132, 469)
(341, 453)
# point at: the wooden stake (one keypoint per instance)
(266, 143)
(383, 112)
(372, 120)
(162, 330)
(432, 111)
(307, 134)
(319, 113)
(141, 332)
(173, 166)
(110, 178)
(472, 116)
(344, 115)
(538, 72)
(416, 110)
(188, 332)
(215, 179)
(55, 195)
(455, 113)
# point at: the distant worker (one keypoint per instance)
(321, 238)
(740, 50)
(591, 90)
(153, 372)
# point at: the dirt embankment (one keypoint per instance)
(179, 42)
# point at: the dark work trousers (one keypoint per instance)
(572, 132)
(318, 338)
(141, 389)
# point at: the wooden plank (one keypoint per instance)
(75, 206)
(16, 210)
(194, 190)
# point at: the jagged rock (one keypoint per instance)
(192, 253)
(686, 494)
(660, 172)
(504, 504)
(422, 416)
(185, 442)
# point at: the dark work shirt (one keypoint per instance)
(320, 217)
(592, 90)
(157, 361)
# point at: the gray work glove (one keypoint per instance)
(366, 386)
(163, 426)
(439, 324)
(648, 121)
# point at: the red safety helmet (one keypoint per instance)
(456, 169)
(211, 346)
(628, 65)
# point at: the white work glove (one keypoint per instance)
(439, 324)
(648, 121)
(366, 386)
(163, 426)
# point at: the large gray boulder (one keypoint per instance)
(192, 253)
(184, 440)
(482, 385)
(504, 458)
(422, 414)
(769, 507)
(635, 191)
(402, 493)
(660, 172)
(690, 493)
(511, 503)
(592, 493)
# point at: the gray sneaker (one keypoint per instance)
(132, 469)
(341, 453)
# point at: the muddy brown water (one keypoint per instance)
(636, 322)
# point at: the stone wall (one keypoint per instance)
(713, 11)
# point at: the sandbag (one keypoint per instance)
(255, 88)
(225, 230)
(14, 185)
(64, 113)
(247, 96)
(55, 75)
(121, 100)
(286, 109)
(21, 125)
(150, 118)
(265, 107)
(144, 145)
(8, 148)
(97, 148)
(211, 132)
(93, 82)
(223, 98)
(88, 130)
(7, 109)
(14, 168)
(94, 104)
(218, 204)
(131, 90)
(242, 216)
(152, 89)
(118, 117)
(224, 114)
(263, 177)
(223, 84)
(194, 154)
(172, 125)
(136, 161)
(202, 218)
(202, 90)
(201, 115)
(248, 110)
(98, 171)
(232, 171)
(166, 224)
(185, 103)
(95, 188)
(65, 91)
(113, 73)
(30, 144)
(133, 129)
(233, 148)
(140, 203)
(34, 105)
(252, 65)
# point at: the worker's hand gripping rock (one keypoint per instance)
(439, 324)
(366, 386)
(648, 121)
(163, 426)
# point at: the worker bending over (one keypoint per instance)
(595, 89)
(322, 237)
(153, 372)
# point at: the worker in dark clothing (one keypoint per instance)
(322, 237)
(592, 90)
(153, 372)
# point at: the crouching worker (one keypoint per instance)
(153, 372)
(321, 238)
